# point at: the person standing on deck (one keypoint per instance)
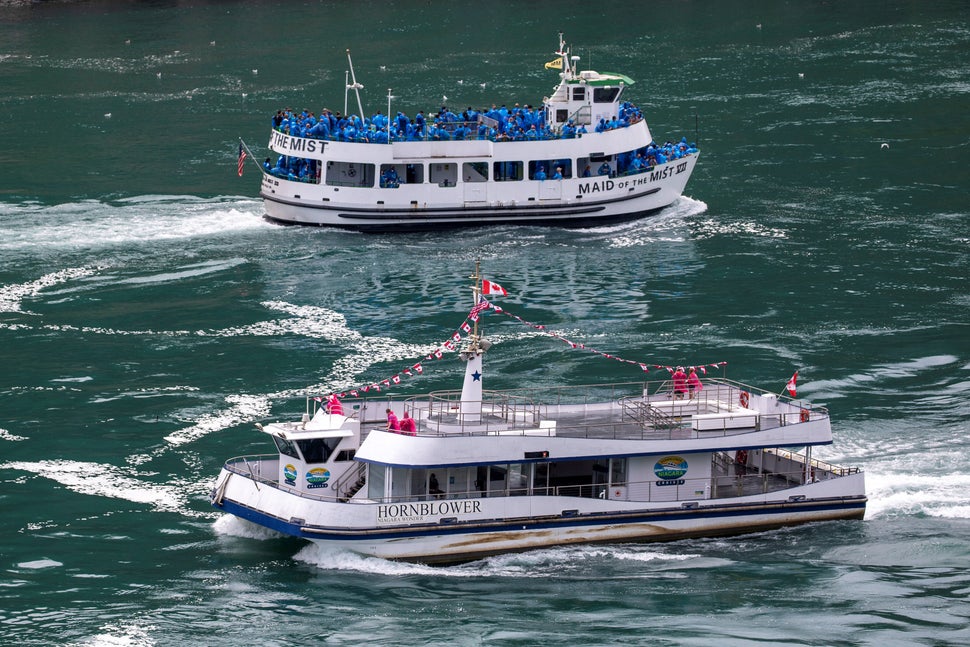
(680, 383)
(408, 428)
(334, 406)
(392, 422)
(694, 383)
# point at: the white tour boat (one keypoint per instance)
(487, 472)
(584, 157)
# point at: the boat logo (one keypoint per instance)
(317, 477)
(670, 468)
(289, 473)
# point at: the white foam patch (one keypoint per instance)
(189, 271)
(231, 526)
(90, 225)
(550, 562)
(12, 296)
(900, 493)
(39, 564)
(122, 635)
(100, 479)
(244, 408)
(711, 228)
(6, 435)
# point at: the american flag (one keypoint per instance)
(242, 160)
(483, 304)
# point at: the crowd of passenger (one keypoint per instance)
(498, 124)
(520, 123)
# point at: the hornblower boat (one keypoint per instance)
(488, 472)
(584, 157)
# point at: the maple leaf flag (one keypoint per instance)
(792, 390)
(489, 288)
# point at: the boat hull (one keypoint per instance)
(573, 202)
(555, 521)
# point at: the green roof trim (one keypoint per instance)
(611, 78)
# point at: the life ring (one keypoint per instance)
(351, 172)
(803, 415)
(744, 399)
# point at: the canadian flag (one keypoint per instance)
(792, 390)
(489, 288)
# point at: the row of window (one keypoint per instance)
(446, 174)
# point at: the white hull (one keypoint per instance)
(447, 536)
(574, 202)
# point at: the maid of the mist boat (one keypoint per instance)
(488, 472)
(585, 156)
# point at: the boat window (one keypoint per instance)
(618, 471)
(507, 171)
(561, 115)
(474, 171)
(579, 94)
(518, 479)
(605, 95)
(595, 165)
(540, 485)
(549, 167)
(391, 176)
(352, 174)
(444, 174)
(413, 173)
(345, 455)
(317, 450)
(286, 447)
(376, 475)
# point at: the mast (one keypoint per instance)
(564, 53)
(355, 86)
(471, 389)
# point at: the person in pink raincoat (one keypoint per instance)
(694, 383)
(334, 406)
(680, 382)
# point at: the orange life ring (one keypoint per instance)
(803, 415)
(744, 399)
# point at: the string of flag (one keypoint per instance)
(462, 331)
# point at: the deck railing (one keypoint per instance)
(746, 481)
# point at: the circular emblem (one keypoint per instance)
(670, 467)
(317, 477)
(289, 473)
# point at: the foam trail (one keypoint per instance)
(105, 480)
(12, 296)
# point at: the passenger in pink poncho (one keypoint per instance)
(680, 383)
(694, 383)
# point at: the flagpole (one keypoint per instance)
(476, 296)
(785, 388)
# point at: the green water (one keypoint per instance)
(148, 315)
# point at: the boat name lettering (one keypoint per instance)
(596, 187)
(297, 144)
(672, 482)
(667, 171)
(414, 511)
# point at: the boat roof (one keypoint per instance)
(591, 77)
(323, 425)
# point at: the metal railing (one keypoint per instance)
(750, 480)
